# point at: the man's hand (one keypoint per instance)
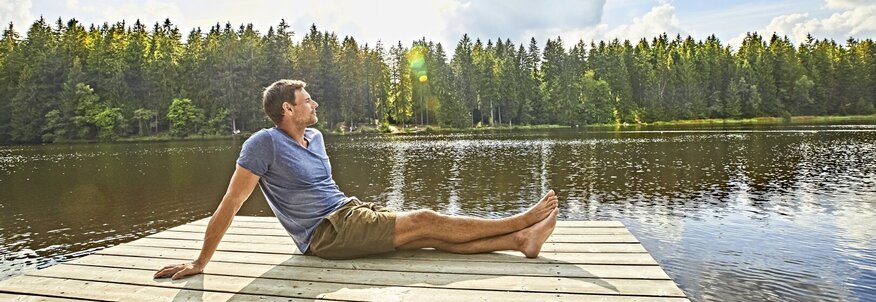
(242, 183)
(179, 270)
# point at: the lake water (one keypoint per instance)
(732, 214)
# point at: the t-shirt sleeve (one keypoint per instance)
(317, 136)
(257, 153)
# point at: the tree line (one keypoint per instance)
(66, 81)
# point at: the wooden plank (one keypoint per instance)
(228, 237)
(34, 297)
(279, 231)
(590, 224)
(500, 256)
(288, 240)
(326, 290)
(286, 249)
(104, 291)
(582, 261)
(381, 264)
(270, 219)
(271, 222)
(514, 257)
(566, 247)
(417, 279)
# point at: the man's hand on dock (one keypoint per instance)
(181, 270)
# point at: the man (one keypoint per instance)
(290, 165)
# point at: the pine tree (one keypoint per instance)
(533, 95)
(464, 74)
(378, 84)
(10, 66)
(400, 104)
(352, 89)
(38, 86)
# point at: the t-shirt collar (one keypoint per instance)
(308, 136)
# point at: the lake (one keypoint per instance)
(736, 213)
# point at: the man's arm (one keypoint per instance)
(242, 183)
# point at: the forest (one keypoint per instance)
(71, 82)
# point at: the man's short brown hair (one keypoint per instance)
(275, 95)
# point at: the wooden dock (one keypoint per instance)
(257, 260)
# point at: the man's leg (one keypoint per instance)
(528, 241)
(425, 224)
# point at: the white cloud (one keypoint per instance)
(659, 19)
(519, 20)
(571, 37)
(795, 26)
(148, 12)
(17, 12)
(852, 20)
(389, 21)
(857, 21)
(75, 6)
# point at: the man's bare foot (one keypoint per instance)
(540, 210)
(533, 237)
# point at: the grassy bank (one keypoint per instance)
(166, 137)
(415, 129)
(421, 129)
(794, 120)
(161, 137)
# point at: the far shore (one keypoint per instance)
(426, 129)
(794, 120)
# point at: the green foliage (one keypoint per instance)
(786, 117)
(94, 119)
(55, 128)
(110, 123)
(218, 124)
(88, 106)
(733, 105)
(10, 66)
(400, 104)
(384, 127)
(66, 81)
(185, 119)
(802, 94)
(594, 105)
(145, 117)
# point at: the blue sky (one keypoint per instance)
(445, 20)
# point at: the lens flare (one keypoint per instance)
(417, 62)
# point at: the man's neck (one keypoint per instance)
(295, 132)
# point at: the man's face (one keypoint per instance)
(304, 110)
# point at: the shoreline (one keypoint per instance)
(429, 129)
(770, 120)
(794, 120)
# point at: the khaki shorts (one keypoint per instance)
(356, 229)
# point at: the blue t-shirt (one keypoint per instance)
(296, 181)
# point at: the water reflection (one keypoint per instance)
(453, 180)
(766, 213)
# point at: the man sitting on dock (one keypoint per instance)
(290, 164)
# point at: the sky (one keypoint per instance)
(446, 21)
